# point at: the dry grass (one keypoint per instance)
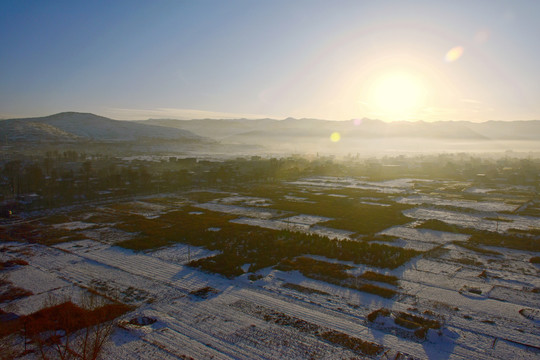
(419, 324)
(12, 263)
(304, 289)
(8, 292)
(13, 293)
(373, 276)
(66, 316)
(357, 345)
(336, 274)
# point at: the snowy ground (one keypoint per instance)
(388, 187)
(295, 226)
(254, 212)
(480, 221)
(420, 239)
(228, 324)
(466, 204)
(488, 304)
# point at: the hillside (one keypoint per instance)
(73, 126)
(308, 135)
(280, 136)
(366, 128)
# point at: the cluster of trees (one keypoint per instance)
(349, 214)
(242, 244)
(58, 178)
(50, 183)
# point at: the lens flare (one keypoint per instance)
(357, 122)
(454, 53)
(335, 137)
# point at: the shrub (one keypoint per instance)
(375, 314)
(419, 324)
(429, 323)
(475, 291)
(406, 323)
(376, 290)
(476, 248)
(353, 343)
(14, 293)
(333, 274)
(511, 241)
(11, 263)
(303, 289)
(8, 292)
(142, 321)
(204, 292)
(421, 332)
(228, 265)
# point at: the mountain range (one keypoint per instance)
(239, 129)
(297, 135)
(365, 135)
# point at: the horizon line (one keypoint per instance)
(230, 116)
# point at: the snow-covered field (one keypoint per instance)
(488, 304)
(466, 204)
(420, 239)
(388, 187)
(295, 226)
(254, 212)
(229, 324)
(476, 220)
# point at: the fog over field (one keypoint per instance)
(363, 137)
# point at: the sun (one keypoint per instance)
(398, 95)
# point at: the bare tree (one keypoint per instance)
(75, 332)
(8, 347)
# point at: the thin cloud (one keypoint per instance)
(175, 113)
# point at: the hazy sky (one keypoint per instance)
(392, 60)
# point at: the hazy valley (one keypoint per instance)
(193, 247)
(364, 137)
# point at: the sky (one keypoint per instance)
(336, 60)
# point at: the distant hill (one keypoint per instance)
(310, 135)
(217, 129)
(241, 130)
(279, 136)
(508, 130)
(74, 126)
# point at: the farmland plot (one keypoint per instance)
(216, 327)
(484, 298)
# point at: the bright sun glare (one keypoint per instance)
(398, 95)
